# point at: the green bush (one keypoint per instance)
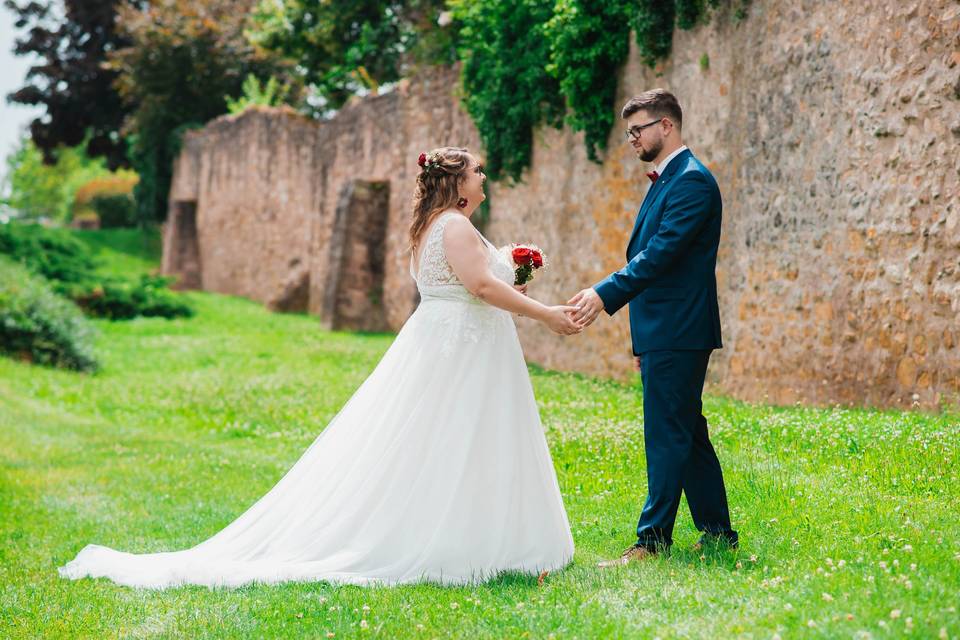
(38, 325)
(115, 193)
(67, 263)
(115, 211)
(55, 254)
(122, 300)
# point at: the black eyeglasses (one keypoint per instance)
(636, 130)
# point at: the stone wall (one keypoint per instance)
(356, 272)
(832, 128)
(254, 184)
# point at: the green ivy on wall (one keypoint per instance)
(653, 24)
(507, 90)
(529, 63)
(589, 40)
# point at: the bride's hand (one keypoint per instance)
(559, 319)
(522, 288)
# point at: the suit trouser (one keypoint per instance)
(680, 457)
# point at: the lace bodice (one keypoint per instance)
(434, 268)
(448, 314)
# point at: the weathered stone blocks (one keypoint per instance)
(833, 130)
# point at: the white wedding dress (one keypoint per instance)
(435, 470)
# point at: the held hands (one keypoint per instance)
(559, 318)
(587, 306)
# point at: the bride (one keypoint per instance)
(436, 469)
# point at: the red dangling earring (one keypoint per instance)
(462, 202)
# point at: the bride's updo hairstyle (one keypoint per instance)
(441, 172)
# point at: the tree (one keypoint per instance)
(39, 190)
(72, 39)
(344, 48)
(185, 58)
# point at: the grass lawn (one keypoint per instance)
(123, 251)
(848, 518)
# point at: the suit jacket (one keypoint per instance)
(670, 277)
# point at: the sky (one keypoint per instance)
(13, 69)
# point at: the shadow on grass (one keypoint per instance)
(634, 385)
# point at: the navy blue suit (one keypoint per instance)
(670, 284)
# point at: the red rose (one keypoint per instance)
(422, 160)
(522, 256)
(537, 259)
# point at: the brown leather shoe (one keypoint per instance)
(632, 553)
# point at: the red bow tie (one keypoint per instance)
(653, 175)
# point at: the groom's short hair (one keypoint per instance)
(659, 103)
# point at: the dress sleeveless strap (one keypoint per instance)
(433, 267)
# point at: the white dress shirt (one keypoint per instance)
(663, 165)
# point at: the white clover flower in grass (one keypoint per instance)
(895, 614)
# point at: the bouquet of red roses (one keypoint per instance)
(526, 258)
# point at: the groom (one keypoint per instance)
(670, 285)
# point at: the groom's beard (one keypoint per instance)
(648, 155)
